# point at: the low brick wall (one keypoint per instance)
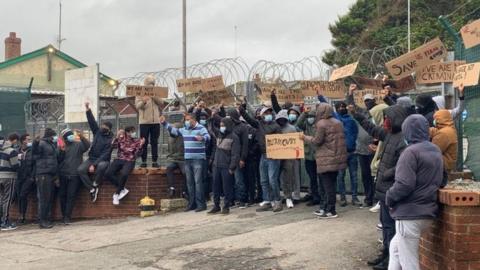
(137, 183)
(453, 241)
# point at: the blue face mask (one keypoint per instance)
(223, 129)
(55, 139)
(203, 122)
(292, 117)
(268, 118)
(29, 144)
(406, 142)
(311, 120)
(71, 138)
(187, 124)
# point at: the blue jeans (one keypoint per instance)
(352, 162)
(269, 175)
(194, 174)
(240, 187)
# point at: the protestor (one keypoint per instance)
(45, 154)
(98, 156)
(444, 135)
(129, 146)
(269, 168)
(225, 161)
(306, 123)
(70, 158)
(254, 188)
(365, 156)
(406, 102)
(175, 160)
(425, 106)
(25, 183)
(330, 154)
(391, 135)
(413, 197)
(9, 165)
(350, 129)
(195, 138)
(148, 118)
(457, 111)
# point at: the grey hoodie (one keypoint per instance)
(418, 174)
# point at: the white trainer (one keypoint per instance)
(289, 203)
(264, 203)
(116, 200)
(123, 193)
(375, 209)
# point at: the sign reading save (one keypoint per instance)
(149, 91)
(430, 52)
(285, 146)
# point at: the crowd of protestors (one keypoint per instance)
(404, 151)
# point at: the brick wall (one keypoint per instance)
(103, 207)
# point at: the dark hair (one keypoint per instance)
(108, 124)
(24, 137)
(340, 104)
(13, 137)
(130, 129)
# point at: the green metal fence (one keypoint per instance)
(12, 114)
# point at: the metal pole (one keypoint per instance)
(408, 25)
(184, 41)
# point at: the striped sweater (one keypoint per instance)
(194, 149)
(9, 162)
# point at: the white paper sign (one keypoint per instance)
(81, 85)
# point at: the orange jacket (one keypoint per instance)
(444, 135)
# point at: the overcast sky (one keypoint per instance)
(129, 36)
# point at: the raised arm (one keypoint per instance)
(252, 122)
(92, 123)
(275, 106)
(375, 131)
(457, 111)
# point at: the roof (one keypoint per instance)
(43, 51)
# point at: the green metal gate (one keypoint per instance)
(12, 114)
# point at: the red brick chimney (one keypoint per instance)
(12, 46)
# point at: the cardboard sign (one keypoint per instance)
(213, 84)
(334, 90)
(471, 34)
(285, 146)
(293, 95)
(398, 86)
(189, 85)
(344, 71)
(467, 75)
(217, 96)
(149, 91)
(359, 94)
(438, 72)
(430, 52)
(81, 85)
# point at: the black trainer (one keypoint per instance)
(200, 209)
(143, 165)
(377, 260)
(225, 211)
(155, 165)
(383, 265)
(214, 210)
(94, 194)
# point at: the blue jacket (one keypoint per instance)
(350, 129)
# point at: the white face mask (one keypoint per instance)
(133, 135)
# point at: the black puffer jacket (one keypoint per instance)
(227, 152)
(394, 144)
(27, 165)
(101, 149)
(241, 129)
(45, 154)
(263, 128)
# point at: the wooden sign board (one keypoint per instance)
(333, 90)
(430, 52)
(213, 84)
(285, 146)
(471, 34)
(467, 75)
(148, 91)
(189, 85)
(217, 97)
(438, 72)
(399, 86)
(293, 95)
(359, 94)
(344, 71)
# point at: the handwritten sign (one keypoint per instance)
(217, 97)
(189, 85)
(334, 90)
(471, 34)
(283, 94)
(359, 94)
(430, 52)
(149, 91)
(213, 84)
(467, 75)
(399, 86)
(438, 72)
(344, 71)
(285, 146)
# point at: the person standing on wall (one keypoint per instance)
(148, 118)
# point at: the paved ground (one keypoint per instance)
(292, 239)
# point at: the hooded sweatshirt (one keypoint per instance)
(45, 154)
(444, 135)
(287, 128)
(263, 127)
(418, 176)
(9, 163)
(227, 152)
(377, 119)
(329, 141)
(456, 112)
(426, 107)
(71, 157)
(241, 130)
(101, 149)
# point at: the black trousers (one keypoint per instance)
(45, 190)
(100, 170)
(222, 181)
(67, 193)
(367, 178)
(171, 167)
(252, 177)
(118, 173)
(329, 182)
(316, 186)
(388, 226)
(25, 186)
(150, 132)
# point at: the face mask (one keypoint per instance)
(133, 135)
(71, 138)
(406, 142)
(369, 103)
(268, 118)
(434, 122)
(29, 144)
(342, 111)
(187, 124)
(104, 130)
(223, 129)
(387, 124)
(311, 120)
(55, 139)
(292, 117)
(203, 122)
